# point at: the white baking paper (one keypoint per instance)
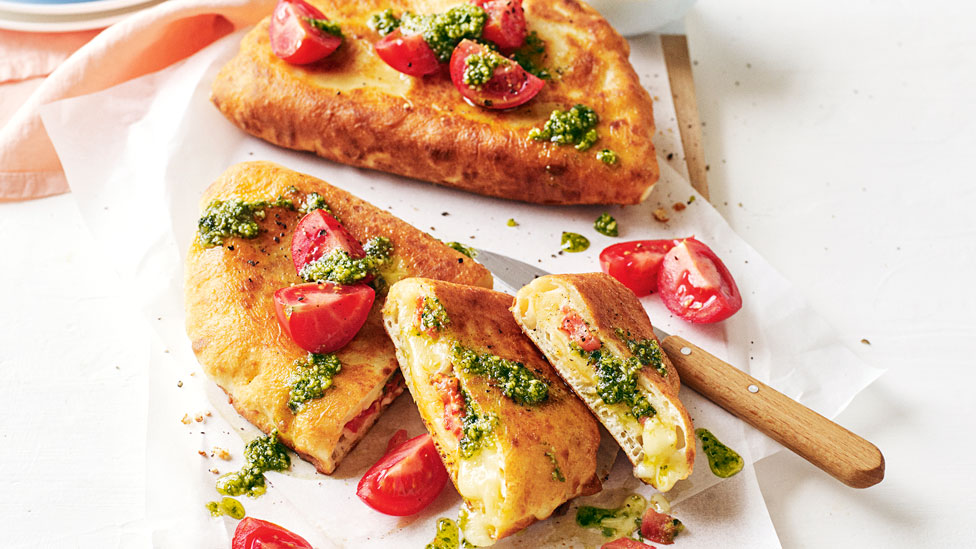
(138, 157)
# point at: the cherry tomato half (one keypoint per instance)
(506, 23)
(396, 439)
(695, 285)
(406, 480)
(659, 527)
(579, 333)
(295, 40)
(408, 53)
(255, 533)
(626, 543)
(510, 85)
(322, 318)
(636, 263)
(317, 234)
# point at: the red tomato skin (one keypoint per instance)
(509, 87)
(506, 23)
(397, 439)
(659, 527)
(408, 54)
(322, 318)
(252, 533)
(636, 263)
(626, 543)
(406, 480)
(579, 333)
(293, 39)
(695, 285)
(317, 234)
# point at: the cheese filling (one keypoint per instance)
(481, 483)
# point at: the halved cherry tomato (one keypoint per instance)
(579, 333)
(407, 53)
(695, 285)
(510, 85)
(406, 480)
(252, 533)
(295, 40)
(317, 234)
(660, 527)
(322, 318)
(636, 263)
(506, 23)
(626, 543)
(450, 390)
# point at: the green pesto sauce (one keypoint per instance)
(607, 156)
(262, 454)
(613, 523)
(532, 55)
(606, 224)
(234, 217)
(647, 351)
(511, 222)
(574, 242)
(477, 427)
(577, 126)
(340, 268)
(384, 22)
(480, 67)
(722, 460)
(448, 535)
(311, 379)
(324, 25)
(515, 380)
(443, 31)
(433, 316)
(226, 506)
(314, 201)
(617, 380)
(557, 474)
(465, 250)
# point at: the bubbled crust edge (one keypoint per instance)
(371, 129)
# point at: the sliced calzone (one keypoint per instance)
(597, 335)
(516, 441)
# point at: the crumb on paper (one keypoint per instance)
(179, 383)
(678, 206)
(220, 453)
(208, 414)
(186, 419)
(202, 453)
(661, 215)
(214, 470)
(198, 418)
(691, 199)
(865, 341)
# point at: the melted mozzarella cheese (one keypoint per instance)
(481, 482)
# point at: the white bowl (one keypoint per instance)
(631, 17)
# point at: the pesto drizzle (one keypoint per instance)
(339, 267)
(311, 379)
(722, 460)
(443, 31)
(574, 242)
(606, 224)
(577, 126)
(433, 316)
(324, 25)
(531, 55)
(462, 249)
(647, 351)
(264, 453)
(477, 427)
(607, 156)
(226, 506)
(515, 380)
(314, 201)
(617, 380)
(234, 217)
(448, 535)
(557, 474)
(480, 67)
(613, 523)
(384, 22)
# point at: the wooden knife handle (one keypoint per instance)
(842, 454)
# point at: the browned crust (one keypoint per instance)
(480, 320)
(428, 132)
(230, 315)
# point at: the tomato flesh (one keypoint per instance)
(408, 53)
(449, 388)
(626, 543)
(317, 234)
(695, 285)
(323, 317)
(579, 333)
(506, 23)
(509, 86)
(397, 439)
(636, 263)
(293, 39)
(406, 480)
(659, 527)
(252, 533)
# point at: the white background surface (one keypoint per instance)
(841, 129)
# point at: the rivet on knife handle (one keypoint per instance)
(841, 453)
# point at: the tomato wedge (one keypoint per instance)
(322, 318)
(636, 263)
(294, 39)
(406, 480)
(579, 333)
(396, 439)
(317, 234)
(660, 527)
(252, 533)
(695, 285)
(408, 53)
(626, 543)
(509, 86)
(506, 23)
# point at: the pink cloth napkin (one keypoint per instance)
(142, 43)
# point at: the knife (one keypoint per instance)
(837, 451)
